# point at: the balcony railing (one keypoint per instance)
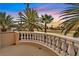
(61, 45)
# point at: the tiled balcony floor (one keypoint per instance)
(26, 50)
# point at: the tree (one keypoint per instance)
(71, 17)
(30, 20)
(5, 21)
(46, 19)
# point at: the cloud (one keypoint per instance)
(13, 14)
(48, 9)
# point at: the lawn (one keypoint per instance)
(59, 32)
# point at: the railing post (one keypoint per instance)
(30, 36)
(54, 43)
(21, 36)
(71, 50)
(64, 47)
(27, 36)
(51, 42)
(48, 40)
(35, 36)
(78, 52)
(58, 45)
(42, 38)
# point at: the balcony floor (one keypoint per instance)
(26, 50)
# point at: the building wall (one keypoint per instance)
(7, 39)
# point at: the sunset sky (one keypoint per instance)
(53, 9)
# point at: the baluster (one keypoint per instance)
(30, 36)
(78, 51)
(48, 40)
(58, 45)
(52, 39)
(21, 36)
(34, 36)
(54, 43)
(38, 37)
(27, 36)
(64, 47)
(51, 42)
(42, 39)
(71, 50)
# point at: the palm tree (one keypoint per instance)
(76, 34)
(30, 20)
(71, 17)
(46, 19)
(28, 5)
(5, 21)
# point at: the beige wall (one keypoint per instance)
(7, 38)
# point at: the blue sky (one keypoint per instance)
(53, 9)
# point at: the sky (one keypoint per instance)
(53, 9)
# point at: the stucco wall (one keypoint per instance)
(7, 38)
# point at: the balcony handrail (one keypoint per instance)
(54, 34)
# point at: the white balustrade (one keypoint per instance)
(60, 44)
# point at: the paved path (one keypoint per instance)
(25, 50)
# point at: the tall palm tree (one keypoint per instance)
(30, 20)
(71, 17)
(5, 21)
(28, 5)
(46, 19)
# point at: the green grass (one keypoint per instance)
(59, 32)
